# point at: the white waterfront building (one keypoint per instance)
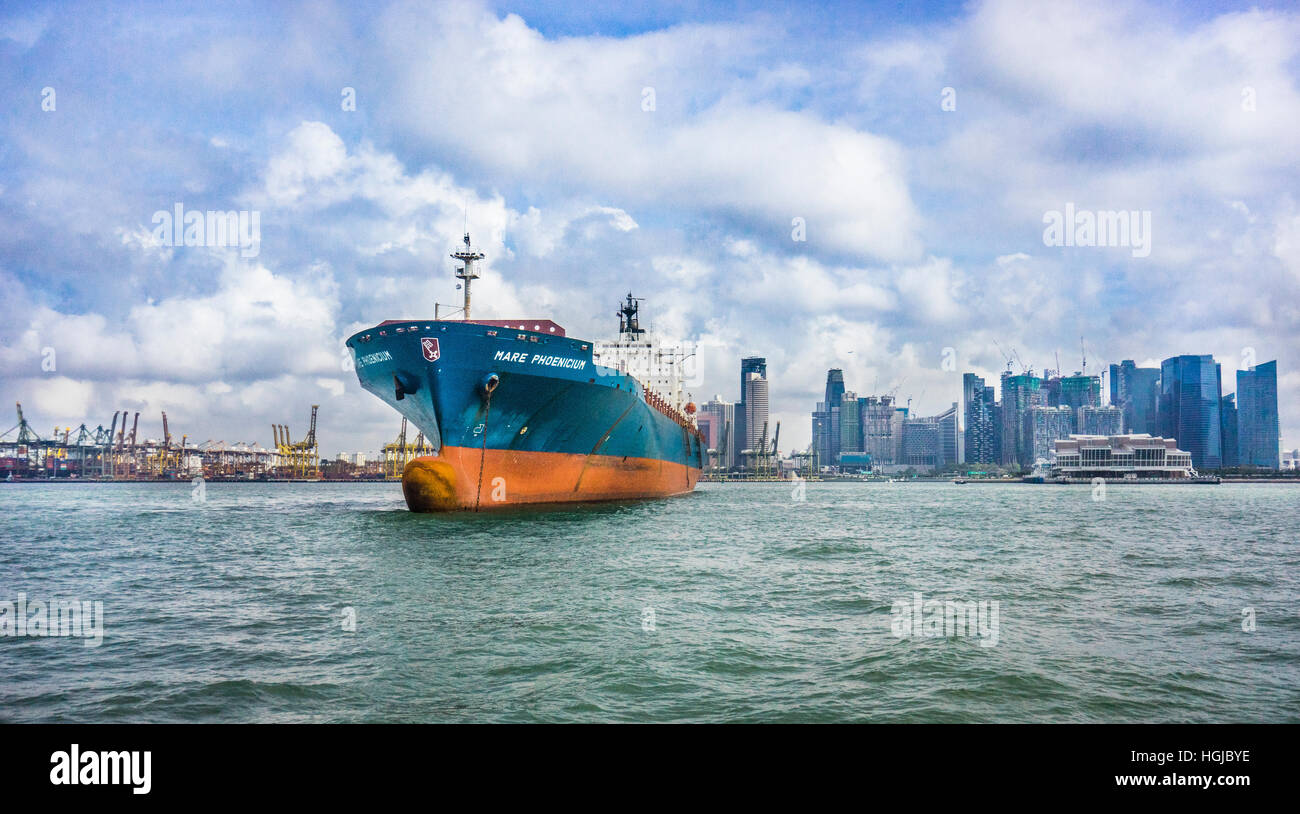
(1130, 457)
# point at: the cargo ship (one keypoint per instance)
(517, 412)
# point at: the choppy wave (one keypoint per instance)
(322, 602)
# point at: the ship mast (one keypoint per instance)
(627, 318)
(467, 272)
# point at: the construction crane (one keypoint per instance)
(1006, 356)
(893, 391)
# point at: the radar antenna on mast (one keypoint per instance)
(628, 322)
(469, 256)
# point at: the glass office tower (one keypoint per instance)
(1136, 391)
(1257, 422)
(981, 421)
(1190, 394)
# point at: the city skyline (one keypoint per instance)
(1017, 424)
(865, 190)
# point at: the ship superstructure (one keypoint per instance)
(637, 352)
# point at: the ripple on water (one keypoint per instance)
(734, 603)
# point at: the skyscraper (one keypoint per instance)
(1136, 391)
(834, 385)
(821, 435)
(1080, 391)
(723, 437)
(949, 440)
(850, 440)
(981, 429)
(1228, 429)
(707, 423)
(757, 432)
(922, 447)
(1257, 421)
(1019, 393)
(1090, 420)
(1051, 391)
(882, 429)
(1041, 426)
(1190, 393)
(748, 365)
(829, 452)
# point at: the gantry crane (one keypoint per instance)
(27, 443)
(399, 453)
(129, 465)
(300, 459)
(166, 460)
(106, 448)
(395, 455)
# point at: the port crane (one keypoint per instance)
(299, 459)
(720, 460)
(166, 460)
(122, 452)
(25, 433)
(401, 452)
(106, 458)
(765, 454)
(395, 455)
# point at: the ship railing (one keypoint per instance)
(662, 405)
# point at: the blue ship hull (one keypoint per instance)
(522, 416)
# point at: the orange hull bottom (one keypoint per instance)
(454, 479)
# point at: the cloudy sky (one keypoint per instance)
(668, 151)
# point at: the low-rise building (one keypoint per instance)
(1133, 457)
